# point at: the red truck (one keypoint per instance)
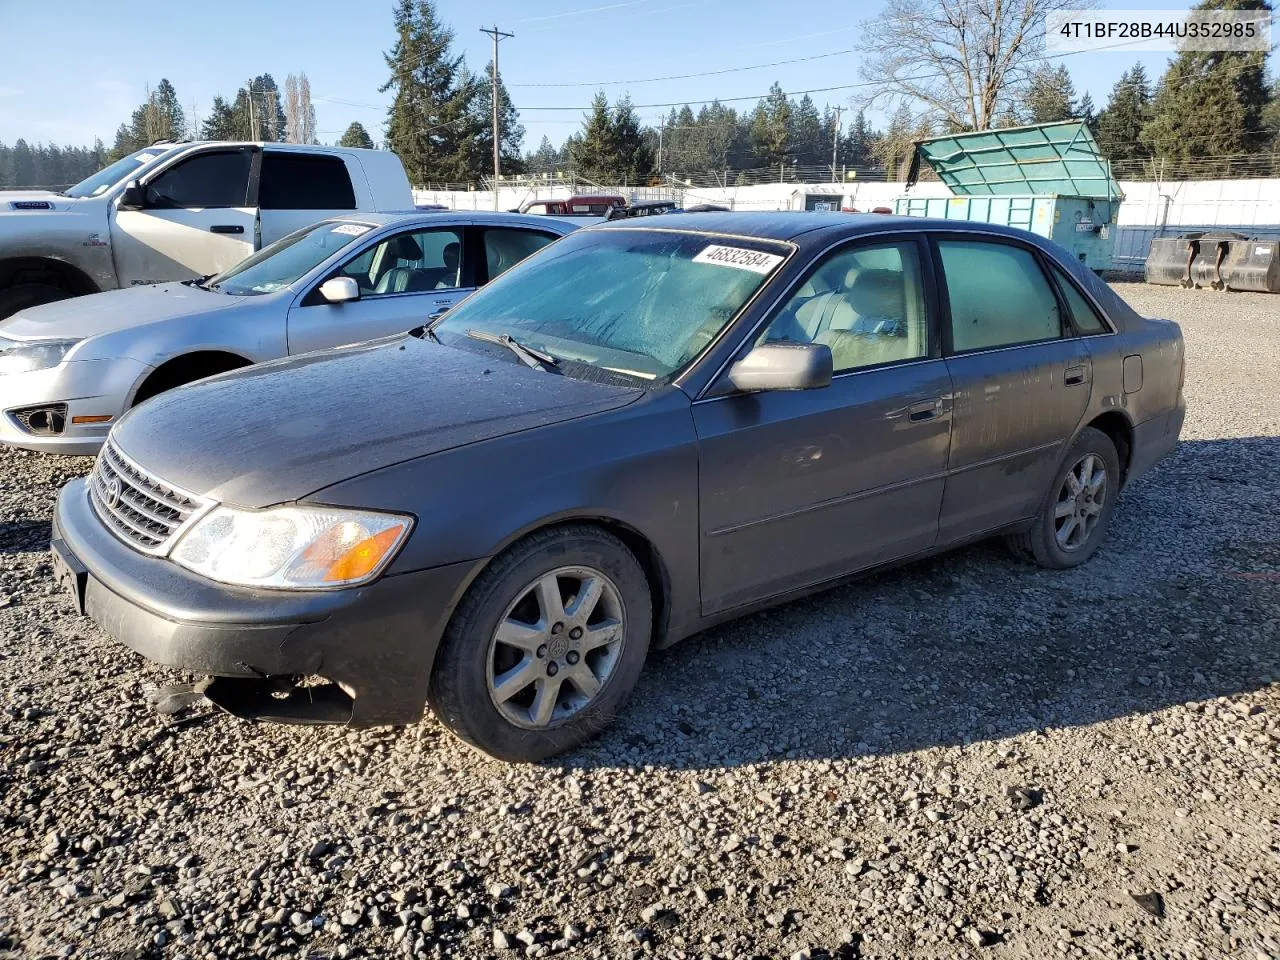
(580, 206)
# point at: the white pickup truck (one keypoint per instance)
(180, 210)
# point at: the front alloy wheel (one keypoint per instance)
(556, 647)
(546, 644)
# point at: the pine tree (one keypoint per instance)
(805, 142)
(860, 143)
(633, 160)
(428, 106)
(264, 118)
(592, 151)
(1050, 96)
(1087, 112)
(1127, 111)
(221, 122)
(512, 133)
(546, 159)
(770, 128)
(1210, 104)
(356, 136)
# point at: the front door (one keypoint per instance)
(1021, 384)
(197, 219)
(801, 487)
(404, 280)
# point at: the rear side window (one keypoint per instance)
(299, 181)
(999, 296)
(207, 180)
(504, 248)
(1082, 312)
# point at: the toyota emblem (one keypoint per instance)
(111, 492)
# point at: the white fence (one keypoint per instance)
(1150, 209)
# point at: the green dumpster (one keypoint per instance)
(1048, 178)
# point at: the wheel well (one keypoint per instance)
(1117, 427)
(185, 369)
(22, 270)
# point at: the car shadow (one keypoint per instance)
(1179, 605)
(25, 536)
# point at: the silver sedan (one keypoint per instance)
(69, 370)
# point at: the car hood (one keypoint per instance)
(82, 317)
(278, 431)
(9, 197)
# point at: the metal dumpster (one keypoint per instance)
(1048, 178)
(1253, 265)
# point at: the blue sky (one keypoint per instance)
(75, 69)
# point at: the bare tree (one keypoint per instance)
(306, 111)
(292, 110)
(299, 113)
(962, 63)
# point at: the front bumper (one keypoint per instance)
(377, 642)
(91, 388)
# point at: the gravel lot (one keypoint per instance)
(966, 757)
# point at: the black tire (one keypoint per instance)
(26, 295)
(459, 689)
(1040, 544)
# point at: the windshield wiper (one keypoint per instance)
(533, 358)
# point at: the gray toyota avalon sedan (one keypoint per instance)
(642, 430)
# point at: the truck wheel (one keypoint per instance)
(29, 295)
(545, 646)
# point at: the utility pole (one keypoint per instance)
(662, 121)
(498, 36)
(253, 123)
(835, 145)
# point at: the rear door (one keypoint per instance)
(404, 278)
(498, 249)
(297, 189)
(198, 218)
(1021, 380)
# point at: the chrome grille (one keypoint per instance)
(139, 509)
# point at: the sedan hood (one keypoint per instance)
(279, 431)
(82, 317)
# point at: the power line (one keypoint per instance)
(576, 13)
(688, 76)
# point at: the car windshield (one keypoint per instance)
(633, 301)
(284, 262)
(108, 177)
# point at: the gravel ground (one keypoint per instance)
(965, 757)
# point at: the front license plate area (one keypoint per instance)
(70, 572)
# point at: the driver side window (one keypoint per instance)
(417, 261)
(867, 304)
(218, 180)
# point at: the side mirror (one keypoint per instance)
(784, 366)
(134, 196)
(340, 290)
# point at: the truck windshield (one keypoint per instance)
(284, 262)
(108, 177)
(637, 302)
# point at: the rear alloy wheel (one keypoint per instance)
(1075, 517)
(545, 646)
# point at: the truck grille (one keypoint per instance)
(139, 509)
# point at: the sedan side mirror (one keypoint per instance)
(134, 196)
(784, 366)
(340, 290)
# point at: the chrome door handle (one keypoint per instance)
(1075, 375)
(924, 410)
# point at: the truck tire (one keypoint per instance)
(29, 295)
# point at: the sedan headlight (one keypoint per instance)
(294, 548)
(21, 356)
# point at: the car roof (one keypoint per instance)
(497, 218)
(792, 225)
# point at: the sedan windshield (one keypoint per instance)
(284, 262)
(633, 301)
(108, 177)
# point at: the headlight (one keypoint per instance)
(296, 548)
(18, 356)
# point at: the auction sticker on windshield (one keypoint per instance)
(352, 229)
(739, 258)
